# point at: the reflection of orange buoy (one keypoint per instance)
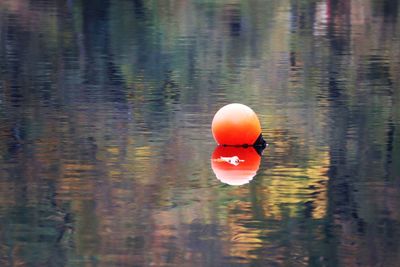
(236, 125)
(235, 165)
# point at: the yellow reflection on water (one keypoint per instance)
(243, 240)
(285, 191)
(291, 185)
(76, 180)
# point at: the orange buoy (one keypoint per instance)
(236, 125)
(235, 165)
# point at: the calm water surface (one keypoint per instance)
(105, 140)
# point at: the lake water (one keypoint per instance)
(106, 143)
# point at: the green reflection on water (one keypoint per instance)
(105, 141)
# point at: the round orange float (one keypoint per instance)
(236, 125)
(235, 165)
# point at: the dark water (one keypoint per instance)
(105, 140)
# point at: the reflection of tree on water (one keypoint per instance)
(348, 132)
(99, 97)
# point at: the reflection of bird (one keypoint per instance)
(231, 160)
